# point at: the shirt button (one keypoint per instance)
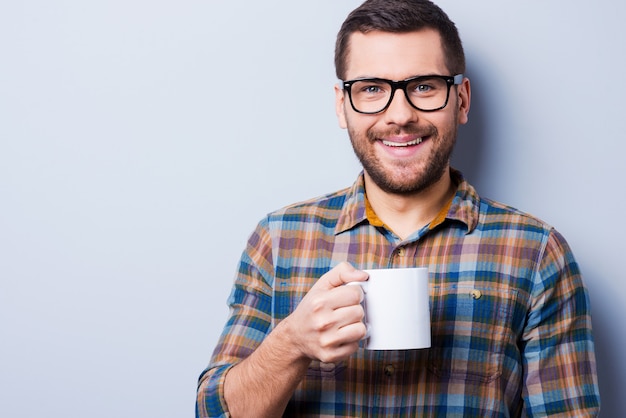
(400, 252)
(476, 294)
(390, 370)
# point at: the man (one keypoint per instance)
(511, 328)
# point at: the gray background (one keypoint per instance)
(140, 142)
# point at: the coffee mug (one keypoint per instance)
(397, 311)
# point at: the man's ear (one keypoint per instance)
(340, 110)
(464, 100)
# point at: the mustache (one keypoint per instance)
(374, 135)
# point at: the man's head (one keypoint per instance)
(400, 16)
(403, 94)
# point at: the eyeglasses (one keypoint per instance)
(426, 93)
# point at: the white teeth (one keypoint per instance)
(402, 144)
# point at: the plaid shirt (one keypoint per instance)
(511, 327)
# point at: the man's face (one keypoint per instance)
(403, 150)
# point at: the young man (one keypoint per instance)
(511, 328)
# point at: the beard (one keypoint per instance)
(405, 177)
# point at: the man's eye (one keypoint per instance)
(373, 89)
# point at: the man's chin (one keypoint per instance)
(406, 184)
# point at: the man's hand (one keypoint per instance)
(328, 323)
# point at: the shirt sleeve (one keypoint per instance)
(558, 349)
(248, 324)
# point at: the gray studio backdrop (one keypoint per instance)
(140, 142)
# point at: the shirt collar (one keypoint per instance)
(463, 208)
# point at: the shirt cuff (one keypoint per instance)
(215, 402)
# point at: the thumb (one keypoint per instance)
(341, 274)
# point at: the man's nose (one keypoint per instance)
(400, 111)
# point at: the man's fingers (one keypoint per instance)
(329, 320)
(341, 274)
(342, 340)
(330, 300)
(349, 315)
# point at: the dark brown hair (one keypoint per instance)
(400, 16)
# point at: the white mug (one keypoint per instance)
(397, 310)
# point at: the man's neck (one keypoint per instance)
(406, 213)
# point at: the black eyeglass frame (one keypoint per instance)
(346, 85)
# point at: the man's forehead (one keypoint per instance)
(383, 54)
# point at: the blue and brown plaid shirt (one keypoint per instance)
(511, 326)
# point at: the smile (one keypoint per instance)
(402, 144)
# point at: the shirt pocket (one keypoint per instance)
(471, 326)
